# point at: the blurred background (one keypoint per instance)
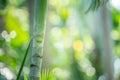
(78, 45)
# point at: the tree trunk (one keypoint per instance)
(38, 38)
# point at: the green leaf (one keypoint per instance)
(47, 74)
(95, 4)
(21, 68)
(25, 77)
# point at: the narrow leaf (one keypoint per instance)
(95, 4)
(18, 76)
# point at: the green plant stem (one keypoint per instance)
(38, 40)
(23, 62)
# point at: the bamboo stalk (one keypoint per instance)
(38, 40)
(104, 25)
(107, 46)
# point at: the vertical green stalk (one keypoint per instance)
(107, 46)
(103, 24)
(38, 40)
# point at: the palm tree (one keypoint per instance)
(38, 38)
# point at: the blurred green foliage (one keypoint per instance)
(3, 4)
(69, 38)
